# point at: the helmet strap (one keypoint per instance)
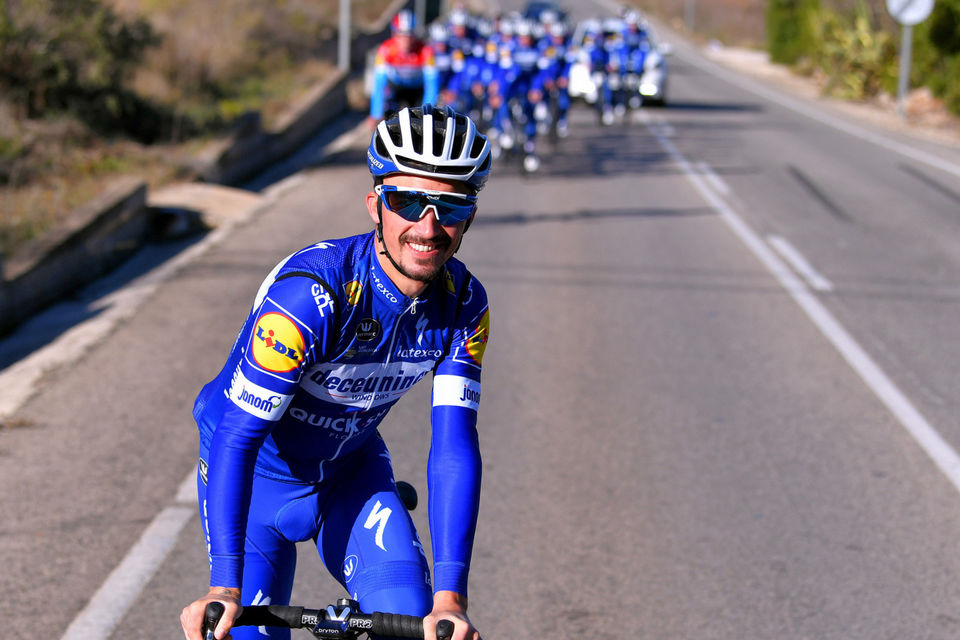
(383, 242)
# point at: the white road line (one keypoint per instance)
(800, 264)
(715, 181)
(823, 118)
(939, 450)
(120, 591)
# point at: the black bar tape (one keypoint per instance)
(271, 615)
(393, 624)
(211, 616)
(444, 630)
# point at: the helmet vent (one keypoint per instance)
(477, 149)
(457, 149)
(432, 168)
(381, 147)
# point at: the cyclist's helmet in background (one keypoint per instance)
(403, 23)
(429, 141)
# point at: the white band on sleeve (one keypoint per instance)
(256, 400)
(456, 391)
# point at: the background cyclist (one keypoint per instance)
(404, 72)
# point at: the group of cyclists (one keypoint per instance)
(510, 73)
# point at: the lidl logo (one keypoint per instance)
(353, 288)
(477, 342)
(451, 288)
(277, 343)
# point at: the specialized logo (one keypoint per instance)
(477, 342)
(261, 600)
(368, 329)
(277, 343)
(378, 518)
(374, 161)
(353, 288)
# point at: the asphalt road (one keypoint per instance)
(686, 433)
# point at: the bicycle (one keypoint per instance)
(343, 621)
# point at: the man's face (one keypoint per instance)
(420, 248)
(404, 42)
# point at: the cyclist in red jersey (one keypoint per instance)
(404, 72)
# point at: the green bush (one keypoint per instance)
(791, 29)
(73, 55)
(858, 60)
(10, 151)
(936, 58)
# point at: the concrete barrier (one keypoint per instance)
(94, 239)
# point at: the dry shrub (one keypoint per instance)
(733, 22)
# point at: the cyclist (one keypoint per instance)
(522, 81)
(445, 62)
(289, 447)
(404, 72)
(637, 45)
(555, 51)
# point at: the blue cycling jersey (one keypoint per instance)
(328, 347)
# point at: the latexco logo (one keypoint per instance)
(382, 289)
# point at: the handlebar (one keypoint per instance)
(344, 620)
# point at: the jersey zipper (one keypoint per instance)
(393, 338)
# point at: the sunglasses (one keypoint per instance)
(411, 204)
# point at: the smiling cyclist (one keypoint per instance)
(338, 332)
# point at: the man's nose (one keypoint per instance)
(428, 220)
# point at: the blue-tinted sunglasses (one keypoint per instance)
(410, 204)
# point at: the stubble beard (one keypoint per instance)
(441, 242)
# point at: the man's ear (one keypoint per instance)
(372, 199)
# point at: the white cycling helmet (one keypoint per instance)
(435, 142)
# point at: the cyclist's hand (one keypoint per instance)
(448, 605)
(191, 618)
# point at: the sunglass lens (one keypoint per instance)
(451, 209)
(405, 203)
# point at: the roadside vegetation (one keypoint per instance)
(851, 47)
(92, 89)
